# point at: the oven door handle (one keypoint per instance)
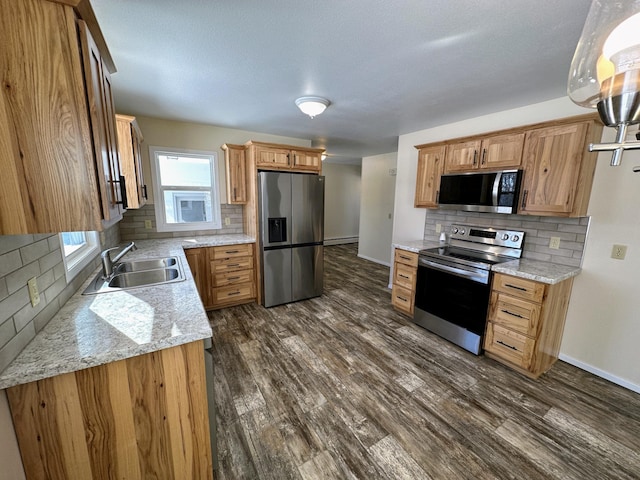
(474, 275)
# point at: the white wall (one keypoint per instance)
(196, 136)
(342, 202)
(376, 207)
(602, 332)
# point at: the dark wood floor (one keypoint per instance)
(342, 386)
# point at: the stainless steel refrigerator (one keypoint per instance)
(291, 209)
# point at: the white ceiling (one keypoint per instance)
(389, 67)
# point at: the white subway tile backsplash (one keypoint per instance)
(3, 289)
(50, 260)
(23, 316)
(13, 242)
(30, 253)
(7, 332)
(14, 346)
(10, 305)
(10, 262)
(18, 279)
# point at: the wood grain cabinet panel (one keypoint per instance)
(303, 160)
(144, 417)
(129, 148)
(273, 156)
(236, 173)
(405, 271)
(462, 157)
(502, 151)
(198, 261)
(525, 322)
(430, 168)
(46, 155)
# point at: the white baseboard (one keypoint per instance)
(375, 260)
(600, 373)
(340, 241)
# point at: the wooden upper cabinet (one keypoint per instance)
(306, 160)
(462, 157)
(197, 260)
(430, 166)
(103, 129)
(46, 159)
(129, 140)
(272, 157)
(502, 151)
(236, 173)
(558, 169)
(495, 152)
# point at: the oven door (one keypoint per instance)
(452, 301)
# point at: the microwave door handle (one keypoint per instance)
(496, 189)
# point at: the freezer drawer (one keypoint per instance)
(307, 272)
(276, 276)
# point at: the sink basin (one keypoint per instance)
(140, 265)
(139, 273)
(148, 277)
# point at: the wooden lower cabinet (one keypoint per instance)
(143, 417)
(225, 275)
(525, 323)
(405, 271)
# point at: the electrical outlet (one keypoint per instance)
(619, 252)
(227, 220)
(438, 227)
(554, 242)
(147, 224)
(34, 295)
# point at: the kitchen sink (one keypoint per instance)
(140, 265)
(139, 273)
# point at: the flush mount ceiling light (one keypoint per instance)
(605, 71)
(312, 106)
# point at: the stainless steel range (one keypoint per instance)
(453, 285)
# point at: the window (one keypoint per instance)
(185, 194)
(78, 249)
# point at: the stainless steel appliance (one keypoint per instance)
(495, 192)
(291, 209)
(453, 284)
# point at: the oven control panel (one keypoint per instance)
(487, 235)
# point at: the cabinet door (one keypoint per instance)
(552, 161)
(274, 158)
(102, 117)
(129, 139)
(502, 151)
(306, 160)
(236, 171)
(430, 166)
(46, 159)
(197, 260)
(462, 157)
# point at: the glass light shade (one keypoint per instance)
(312, 106)
(605, 71)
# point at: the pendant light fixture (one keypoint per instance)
(605, 71)
(312, 106)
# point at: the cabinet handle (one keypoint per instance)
(437, 196)
(231, 251)
(233, 278)
(234, 293)
(403, 299)
(517, 288)
(475, 157)
(235, 194)
(524, 198)
(233, 265)
(403, 257)
(144, 192)
(484, 154)
(512, 314)
(403, 276)
(506, 345)
(123, 192)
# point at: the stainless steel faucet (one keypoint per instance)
(107, 262)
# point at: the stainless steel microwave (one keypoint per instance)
(495, 192)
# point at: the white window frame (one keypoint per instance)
(82, 256)
(158, 191)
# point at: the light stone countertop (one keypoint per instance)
(92, 330)
(414, 245)
(544, 272)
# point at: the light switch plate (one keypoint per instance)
(227, 220)
(438, 227)
(554, 242)
(147, 224)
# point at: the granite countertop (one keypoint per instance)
(92, 330)
(544, 272)
(414, 245)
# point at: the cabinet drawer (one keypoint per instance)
(513, 313)
(231, 265)
(519, 287)
(232, 278)
(231, 251)
(510, 346)
(406, 257)
(232, 293)
(402, 299)
(404, 275)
